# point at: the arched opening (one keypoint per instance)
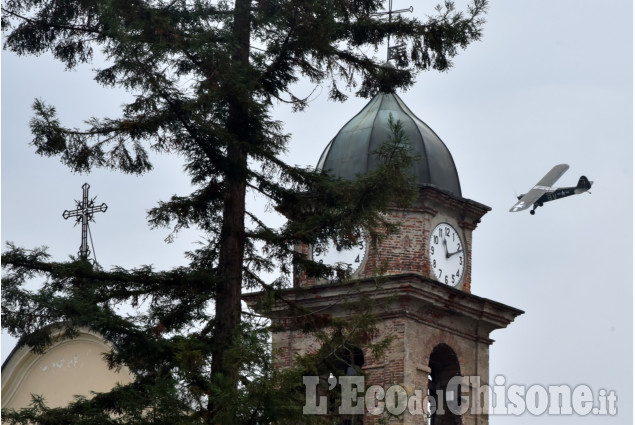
(444, 365)
(348, 361)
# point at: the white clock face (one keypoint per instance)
(447, 254)
(347, 260)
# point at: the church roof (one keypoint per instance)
(350, 153)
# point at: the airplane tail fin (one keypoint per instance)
(583, 185)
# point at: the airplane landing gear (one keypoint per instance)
(533, 211)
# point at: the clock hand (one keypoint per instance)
(454, 253)
(445, 246)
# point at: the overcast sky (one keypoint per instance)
(550, 82)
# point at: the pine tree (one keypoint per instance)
(205, 77)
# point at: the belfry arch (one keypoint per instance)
(444, 365)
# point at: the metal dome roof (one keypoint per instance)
(350, 153)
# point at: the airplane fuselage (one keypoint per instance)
(556, 193)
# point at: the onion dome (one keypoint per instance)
(351, 152)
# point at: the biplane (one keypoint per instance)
(544, 192)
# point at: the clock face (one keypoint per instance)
(447, 255)
(347, 259)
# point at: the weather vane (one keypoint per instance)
(84, 214)
(398, 50)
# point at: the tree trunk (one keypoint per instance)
(232, 237)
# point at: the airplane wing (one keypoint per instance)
(540, 188)
(552, 176)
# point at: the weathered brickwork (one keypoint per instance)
(407, 250)
(403, 251)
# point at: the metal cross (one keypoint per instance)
(84, 213)
(400, 49)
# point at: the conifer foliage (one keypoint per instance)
(205, 75)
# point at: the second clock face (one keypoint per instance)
(347, 259)
(447, 254)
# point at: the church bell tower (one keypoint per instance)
(439, 329)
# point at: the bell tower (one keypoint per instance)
(439, 329)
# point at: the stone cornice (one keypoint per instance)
(407, 295)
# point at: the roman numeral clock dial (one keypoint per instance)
(447, 254)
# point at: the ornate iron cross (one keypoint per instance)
(84, 214)
(398, 50)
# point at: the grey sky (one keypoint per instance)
(550, 82)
